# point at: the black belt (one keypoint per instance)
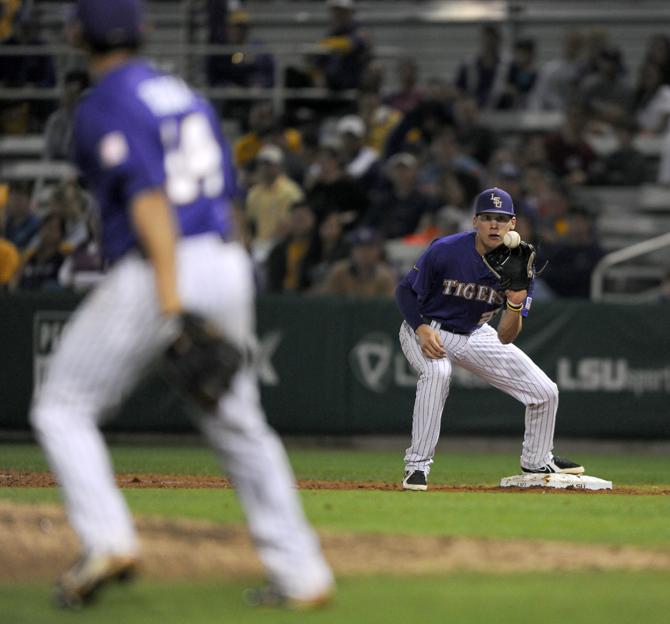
(446, 327)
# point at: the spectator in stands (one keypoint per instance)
(658, 53)
(28, 70)
(31, 69)
(379, 119)
(546, 203)
(626, 165)
(480, 75)
(242, 68)
(41, 264)
(447, 154)
(573, 257)
(569, 155)
(417, 129)
(58, 129)
(653, 117)
(9, 259)
(605, 90)
(477, 139)
(596, 41)
(558, 78)
(269, 201)
(520, 79)
(360, 161)
(399, 209)
(263, 125)
(327, 247)
(10, 12)
(365, 273)
(345, 53)
(75, 207)
(409, 93)
(331, 189)
(21, 223)
(284, 265)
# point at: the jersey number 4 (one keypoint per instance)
(193, 160)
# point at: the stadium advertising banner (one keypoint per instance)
(334, 366)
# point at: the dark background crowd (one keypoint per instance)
(339, 194)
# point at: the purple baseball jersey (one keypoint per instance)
(140, 129)
(453, 285)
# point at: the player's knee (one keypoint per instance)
(550, 390)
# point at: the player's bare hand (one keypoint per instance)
(430, 342)
(516, 297)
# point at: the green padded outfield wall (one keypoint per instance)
(334, 366)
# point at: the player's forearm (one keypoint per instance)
(509, 326)
(155, 227)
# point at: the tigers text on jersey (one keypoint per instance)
(139, 129)
(453, 285)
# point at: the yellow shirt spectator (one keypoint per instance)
(9, 261)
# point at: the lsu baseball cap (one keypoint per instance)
(494, 200)
(107, 24)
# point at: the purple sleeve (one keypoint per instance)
(408, 303)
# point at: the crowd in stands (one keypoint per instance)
(330, 192)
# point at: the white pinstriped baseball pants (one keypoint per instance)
(504, 366)
(110, 340)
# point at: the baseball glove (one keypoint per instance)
(201, 362)
(515, 268)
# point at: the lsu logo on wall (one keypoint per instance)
(379, 364)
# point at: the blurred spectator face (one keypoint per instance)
(302, 221)
(466, 111)
(408, 73)
(73, 86)
(328, 161)
(351, 143)
(270, 163)
(573, 44)
(524, 52)
(445, 146)
(452, 192)
(580, 230)
(650, 77)
(330, 229)
(402, 173)
(239, 25)
(261, 118)
(525, 229)
(51, 232)
(18, 204)
(341, 17)
(489, 38)
(373, 77)
(366, 255)
(659, 49)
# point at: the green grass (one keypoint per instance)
(639, 520)
(328, 464)
(583, 598)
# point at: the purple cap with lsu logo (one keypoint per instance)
(494, 200)
(111, 23)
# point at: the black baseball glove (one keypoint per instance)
(201, 362)
(515, 268)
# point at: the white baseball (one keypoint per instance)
(511, 239)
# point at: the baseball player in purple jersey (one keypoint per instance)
(447, 299)
(152, 153)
